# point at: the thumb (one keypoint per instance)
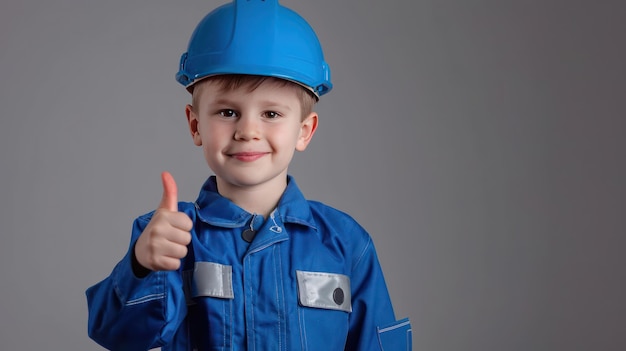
(169, 201)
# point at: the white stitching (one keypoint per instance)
(145, 299)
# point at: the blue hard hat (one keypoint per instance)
(256, 37)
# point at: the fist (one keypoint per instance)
(164, 242)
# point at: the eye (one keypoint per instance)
(227, 113)
(271, 114)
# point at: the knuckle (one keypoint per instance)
(183, 251)
(173, 265)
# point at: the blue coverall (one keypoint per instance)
(309, 280)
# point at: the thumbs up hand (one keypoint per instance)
(164, 242)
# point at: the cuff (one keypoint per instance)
(396, 337)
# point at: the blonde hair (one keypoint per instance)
(229, 82)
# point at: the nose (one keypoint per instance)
(247, 128)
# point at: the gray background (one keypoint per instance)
(480, 142)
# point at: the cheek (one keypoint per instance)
(286, 138)
(212, 150)
(214, 138)
(217, 132)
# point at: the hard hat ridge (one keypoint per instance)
(256, 37)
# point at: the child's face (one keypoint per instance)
(249, 137)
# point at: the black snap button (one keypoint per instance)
(248, 235)
(338, 296)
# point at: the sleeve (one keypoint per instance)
(131, 313)
(373, 326)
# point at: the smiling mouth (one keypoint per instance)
(247, 156)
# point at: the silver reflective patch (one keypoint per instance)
(212, 279)
(324, 290)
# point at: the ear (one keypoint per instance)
(192, 120)
(307, 128)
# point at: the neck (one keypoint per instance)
(260, 199)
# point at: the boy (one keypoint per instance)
(252, 264)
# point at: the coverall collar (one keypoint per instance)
(217, 210)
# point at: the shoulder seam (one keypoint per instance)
(362, 253)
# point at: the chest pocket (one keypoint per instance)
(209, 292)
(325, 304)
(324, 290)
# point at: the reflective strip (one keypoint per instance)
(324, 290)
(400, 324)
(212, 279)
(144, 299)
(396, 337)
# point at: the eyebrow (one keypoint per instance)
(263, 103)
(270, 103)
(222, 101)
